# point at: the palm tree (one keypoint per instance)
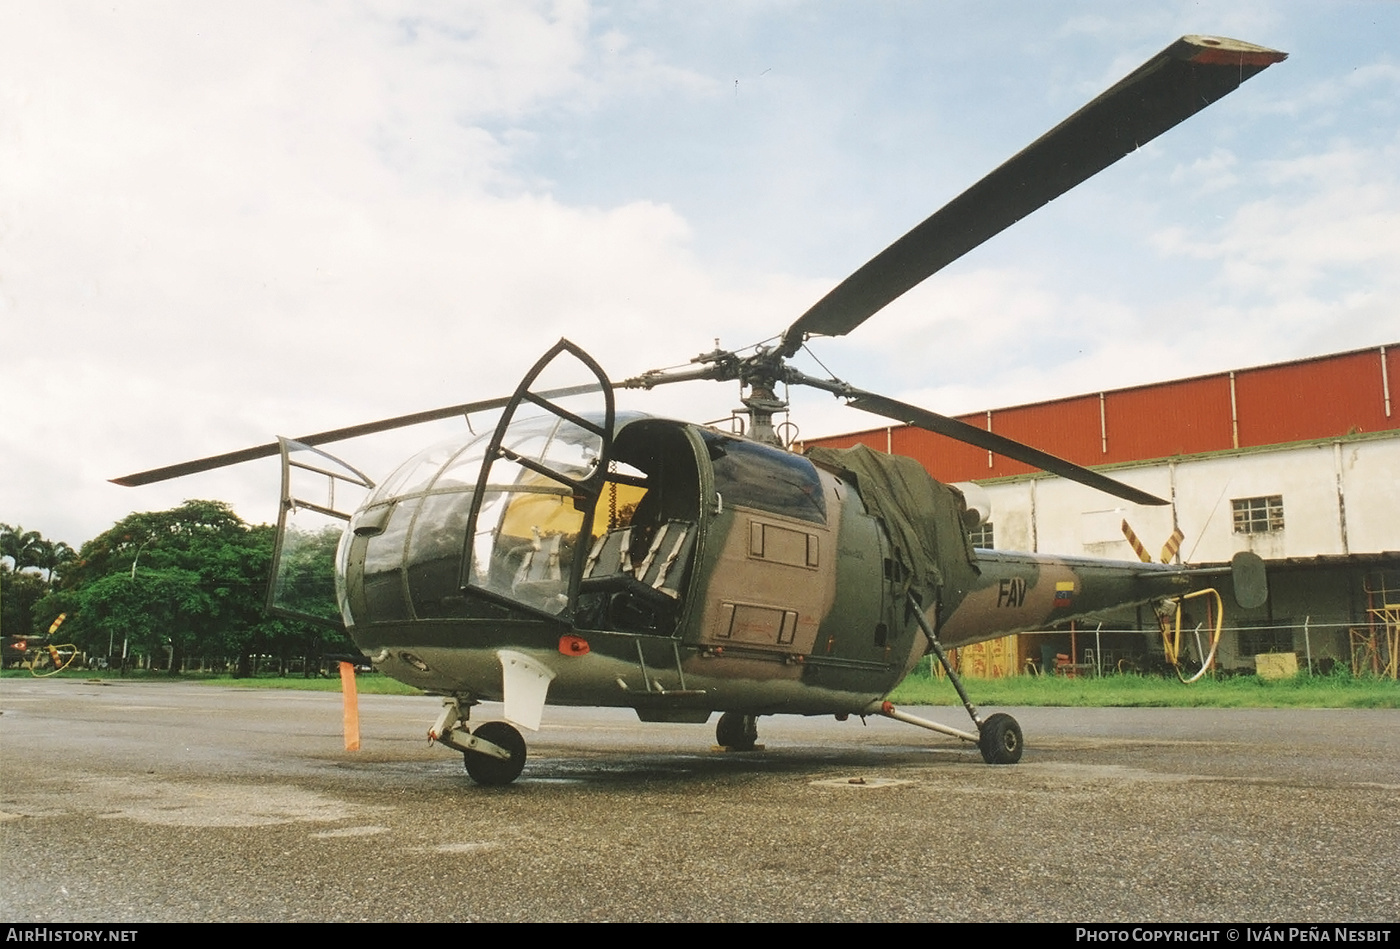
(6, 534)
(29, 549)
(51, 557)
(21, 546)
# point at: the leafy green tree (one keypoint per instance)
(24, 556)
(184, 578)
(192, 580)
(52, 557)
(149, 611)
(19, 595)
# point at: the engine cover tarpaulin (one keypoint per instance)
(922, 517)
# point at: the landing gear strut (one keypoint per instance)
(998, 737)
(494, 754)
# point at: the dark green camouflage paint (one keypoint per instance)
(778, 613)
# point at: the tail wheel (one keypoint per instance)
(737, 731)
(491, 771)
(1000, 741)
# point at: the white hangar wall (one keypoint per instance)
(1338, 497)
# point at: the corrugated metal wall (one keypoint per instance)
(936, 452)
(1314, 398)
(1339, 395)
(1174, 418)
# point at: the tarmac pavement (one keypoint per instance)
(148, 801)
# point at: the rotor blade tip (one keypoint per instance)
(1223, 51)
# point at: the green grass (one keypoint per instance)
(1340, 690)
(366, 683)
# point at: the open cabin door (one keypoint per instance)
(532, 511)
(319, 494)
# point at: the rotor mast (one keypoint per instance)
(760, 405)
(759, 374)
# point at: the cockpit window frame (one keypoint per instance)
(765, 478)
(584, 492)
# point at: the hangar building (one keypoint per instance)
(1298, 462)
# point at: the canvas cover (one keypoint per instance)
(923, 518)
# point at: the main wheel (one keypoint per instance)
(1001, 740)
(737, 731)
(491, 771)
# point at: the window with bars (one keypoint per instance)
(982, 536)
(1258, 515)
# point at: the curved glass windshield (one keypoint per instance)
(533, 510)
(532, 533)
(416, 524)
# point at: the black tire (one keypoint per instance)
(494, 772)
(1001, 741)
(737, 731)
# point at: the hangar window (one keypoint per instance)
(1258, 515)
(981, 537)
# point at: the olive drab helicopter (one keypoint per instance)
(580, 555)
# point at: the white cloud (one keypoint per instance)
(1213, 173)
(221, 221)
(218, 222)
(1332, 217)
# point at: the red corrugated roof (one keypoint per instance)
(1320, 397)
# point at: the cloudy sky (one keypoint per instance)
(224, 221)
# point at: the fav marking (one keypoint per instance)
(1011, 592)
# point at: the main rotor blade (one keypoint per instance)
(1007, 447)
(1172, 86)
(334, 435)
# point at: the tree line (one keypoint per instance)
(163, 588)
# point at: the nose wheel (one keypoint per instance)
(482, 758)
(494, 754)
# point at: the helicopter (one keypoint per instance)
(580, 555)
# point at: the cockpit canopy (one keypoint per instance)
(416, 521)
(534, 532)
